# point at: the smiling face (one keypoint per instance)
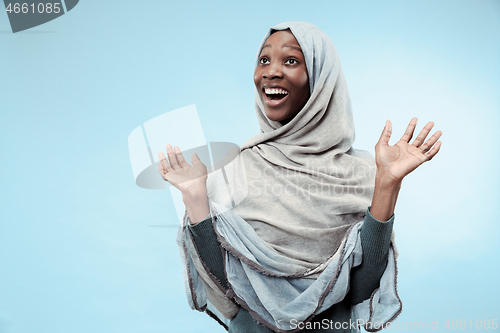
(281, 77)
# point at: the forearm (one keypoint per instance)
(385, 196)
(196, 202)
(375, 238)
(209, 249)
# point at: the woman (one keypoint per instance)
(283, 238)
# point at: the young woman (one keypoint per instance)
(283, 238)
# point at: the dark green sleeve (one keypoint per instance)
(209, 249)
(375, 242)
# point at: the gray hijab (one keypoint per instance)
(305, 184)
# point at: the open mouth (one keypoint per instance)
(275, 94)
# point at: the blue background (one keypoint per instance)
(78, 250)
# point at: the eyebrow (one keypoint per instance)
(286, 45)
(293, 47)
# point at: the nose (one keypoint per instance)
(273, 70)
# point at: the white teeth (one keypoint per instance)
(270, 91)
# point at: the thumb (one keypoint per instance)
(386, 134)
(195, 159)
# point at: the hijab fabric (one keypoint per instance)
(288, 206)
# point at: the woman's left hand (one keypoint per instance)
(395, 162)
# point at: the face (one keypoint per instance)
(281, 77)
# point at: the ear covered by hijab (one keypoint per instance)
(306, 185)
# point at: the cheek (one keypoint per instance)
(256, 78)
(301, 80)
(304, 81)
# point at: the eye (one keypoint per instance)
(291, 62)
(264, 61)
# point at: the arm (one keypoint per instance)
(393, 164)
(209, 249)
(191, 181)
(375, 241)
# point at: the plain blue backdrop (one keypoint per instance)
(78, 248)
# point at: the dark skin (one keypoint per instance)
(282, 66)
(282, 69)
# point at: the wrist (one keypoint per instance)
(197, 205)
(194, 197)
(387, 182)
(195, 191)
(385, 196)
(198, 197)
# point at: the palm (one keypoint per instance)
(179, 173)
(399, 160)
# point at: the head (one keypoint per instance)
(281, 77)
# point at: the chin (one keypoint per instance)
(275, 116)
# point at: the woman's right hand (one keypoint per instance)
(188, 179)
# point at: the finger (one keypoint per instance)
(386, 134)
(163, 160)
(409, 130)
(172, 158)
(434, 151)
(180, 158)
(423, 134)
(430, 142)
(162, 171)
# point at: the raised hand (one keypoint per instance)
(395, 162)
(180, 174)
